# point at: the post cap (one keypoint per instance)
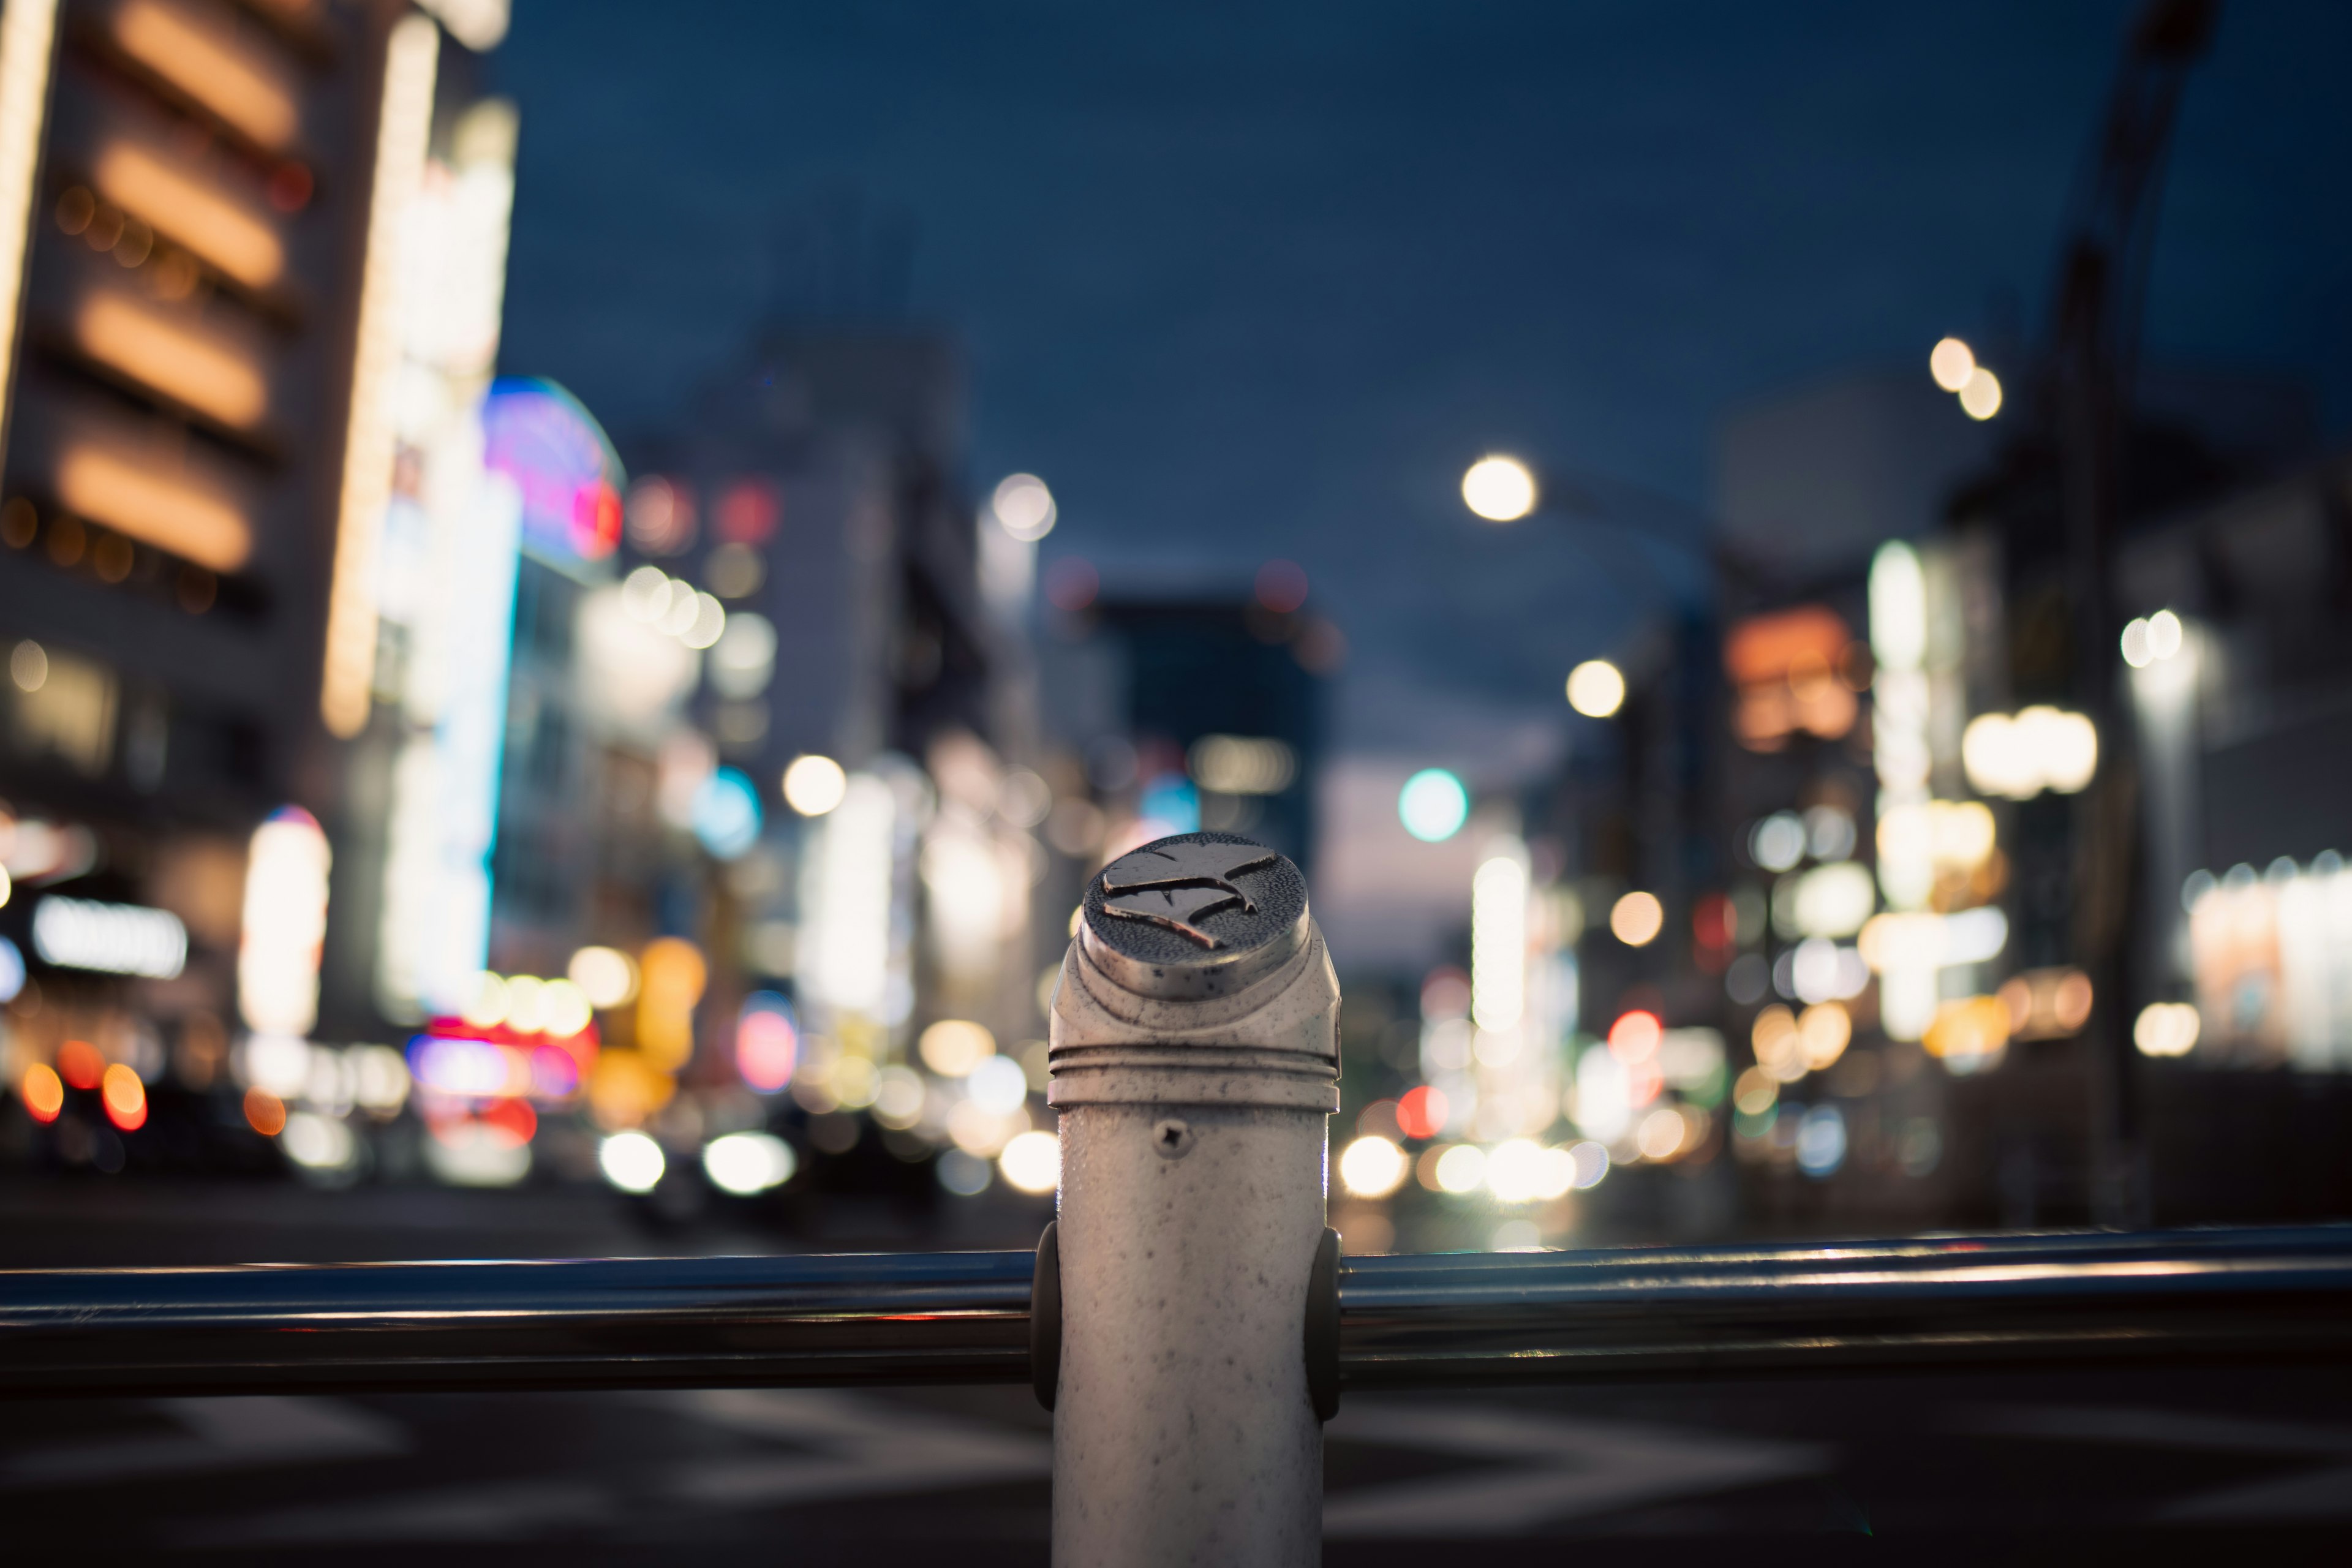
(1198, 914)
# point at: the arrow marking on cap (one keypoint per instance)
(1179, 886)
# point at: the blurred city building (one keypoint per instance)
(860, 677)
(1220, 713)
(208, 213)
(1904, 937)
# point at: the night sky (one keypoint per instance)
(1244, 281)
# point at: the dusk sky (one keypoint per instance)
(1252, 281)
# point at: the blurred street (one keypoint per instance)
(2020, 1469)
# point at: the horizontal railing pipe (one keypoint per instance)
(1446, 1319)
(809, 1320)
(1456, 1318)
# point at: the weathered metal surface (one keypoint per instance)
(1195, 1056)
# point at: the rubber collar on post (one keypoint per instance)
(1046, 1320)
(1322, 1327)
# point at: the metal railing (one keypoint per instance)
(947, 1318)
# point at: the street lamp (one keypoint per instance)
(1956, 369)
(1499, 489)
(1596, 688)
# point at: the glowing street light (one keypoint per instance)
(1596, 688)
(1952, 363)
(1981, 398)
(1024, 508)
(1499, 489)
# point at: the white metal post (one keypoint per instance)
(1195, 1058)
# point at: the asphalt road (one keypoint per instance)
(1970, 1468)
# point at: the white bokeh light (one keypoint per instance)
(1499, 489)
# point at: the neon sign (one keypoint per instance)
(539, 435)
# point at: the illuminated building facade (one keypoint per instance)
(1859, 883)
(205, 208)
(1906, 796)
(2239, 677)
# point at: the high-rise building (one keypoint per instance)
(813, 488)
(1223, 706)
(217, 349)
(855, 699)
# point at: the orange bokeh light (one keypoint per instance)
(79, 1064)
(511, 1119)
(265, 1112)
(124, 1097)
(42, 1091)
(1794, 671)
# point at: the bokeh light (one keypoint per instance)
(1373, 1167)
(632, 1162)
(1823, 1031)
(1596, 688)
(1661, 1133)
(605, 975)
(767, 1046)
(2152, 639)
(1635, 1036)
(1636, 919)
(814, 784)
(1433, 806)
(1023, 507)
(998, 1086)
(964, 1174)
(1821, 1141)
(746, 1164)
(2167, 1030)
(1778, 842)
(265, 1112)
(660, 515)
(726, 814)
(1031, 1163)
(43, 1093)
(1499, 489)
(1281, 587)
(1981, 398)
(952, 1048)
(79, 1064)
(1951, 363)
(1421, 1113)
(1462, 1169)
(124, 1097)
